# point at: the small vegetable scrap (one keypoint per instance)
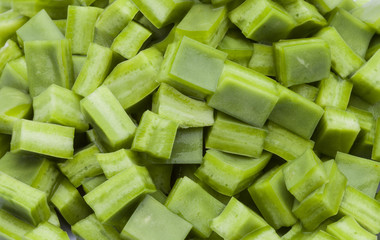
(189, 119)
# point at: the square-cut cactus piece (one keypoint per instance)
(114, 162)
(368, 13)
(15, 75)
(233, 136)
(12, 227)
(108, 118)
(163, 12)
(153, 221)
(337, 131)
(14, 105)
(304, 174)
(111, 200)
(344, 61)
(266, 232)
(366, 80)
(188, 147)
(22, 200)
(155, 135)
(302, 61)
(190, 68)
(307, 17)
(205, 23)
(296, 113)
(349, 229)
(43, 138)
(61, 106)
(10, 21)
(325, 6)
(262, 20)
(230, 174)
(48, 62)
(272, 198)
(324, 202)
(69, 202)
(194, 204)
(236, 221)
(262, 59)
(255, 94)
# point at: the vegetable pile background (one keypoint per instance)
(184, 119)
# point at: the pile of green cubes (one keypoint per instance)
(190, 119)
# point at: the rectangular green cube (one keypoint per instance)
(254, 93)
(155, 135)
(296, 113)
(110, 200)
(194, 204)
(48, 62)
(61, 106)
(43, 138)
(108, 118)
(153, 221)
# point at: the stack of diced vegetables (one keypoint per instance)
(188, 119)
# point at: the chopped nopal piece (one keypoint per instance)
(262, 59)
(83, 165)
(15, 75)
(46, 231)
(354, 168)
(325, 6)
(80, 27)
(368, 13)
(366, 80)
(304, 174)
(39, 27)
(374, 45)
(43, 138)
(9, 52)
(255, 94)
(230, 174)
(48, 62)
(194, 204)
(153, 221)
(133, 80)
(324, 202)
(162, 12)
(272, 198)
(14, 105)
(363, 208)
(264, 233)
(347, 26)
(172, 104)
(130, 40)
(11, 227)
(23, 200)
(187, 68)
(233, 136)
(111, 200)
(284, 143)
(114, 162)
(61, 106)
(334, 92)
(113, 19)
(111, 123)
(274, 25)
(348, 229)
(344, 61)
(69, 202)
(35, 171)
(302, 61)
(205, 23)
(337, 131)
(296, 113)
(94, 70)
(308, 19)
(187, 147)
(90, 228)
(155, 135)
(236, 221)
